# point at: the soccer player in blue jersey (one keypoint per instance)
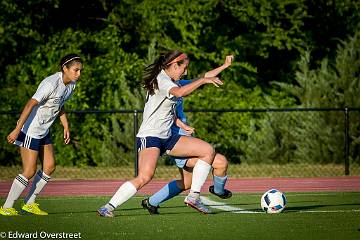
(186, 165)
(154, 137)
(32, 134)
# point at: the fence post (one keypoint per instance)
(346, 133)
(135, 147)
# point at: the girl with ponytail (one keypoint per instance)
(154, 137)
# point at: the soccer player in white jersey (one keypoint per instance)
(32, 134)
(186, 165)
(154, 136)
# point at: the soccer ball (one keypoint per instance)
(273, 201)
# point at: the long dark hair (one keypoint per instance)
(150, 72)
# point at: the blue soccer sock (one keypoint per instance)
(219, 184)
(170, 190)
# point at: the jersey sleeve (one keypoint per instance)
(43, 92)
(165, 84)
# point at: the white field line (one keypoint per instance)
(224, 207)
(227, 208)
(298, 194)
(329, 211)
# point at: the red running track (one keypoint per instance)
(245, 185)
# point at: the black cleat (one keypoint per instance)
(227, 193)
(152, 209)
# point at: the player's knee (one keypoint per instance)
(221, 161)
(209, 153)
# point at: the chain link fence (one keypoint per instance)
(292, 142)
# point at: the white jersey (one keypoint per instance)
(159, 111)
(51, 95)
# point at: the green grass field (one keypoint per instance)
(307, 216)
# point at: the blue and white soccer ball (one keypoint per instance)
(273, 201)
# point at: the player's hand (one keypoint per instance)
(66, 136)
(188, 130)
(13, 135)
(214, 80)
(228, 60)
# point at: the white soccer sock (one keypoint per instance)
(199, 176)
(124, 193)
(17, 187)
(40, 180)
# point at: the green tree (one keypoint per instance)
(332, 85)
(117, 38)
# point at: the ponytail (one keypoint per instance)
(152, 71)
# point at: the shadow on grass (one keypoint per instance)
(128, 211)
(311, 207)
(183, 209)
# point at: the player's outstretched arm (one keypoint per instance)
(216, 71)
(189, 88)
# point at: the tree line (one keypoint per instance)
(288, 53)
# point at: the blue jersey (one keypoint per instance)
(180, 111)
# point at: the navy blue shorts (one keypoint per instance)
(28, 142)
(165, 145)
